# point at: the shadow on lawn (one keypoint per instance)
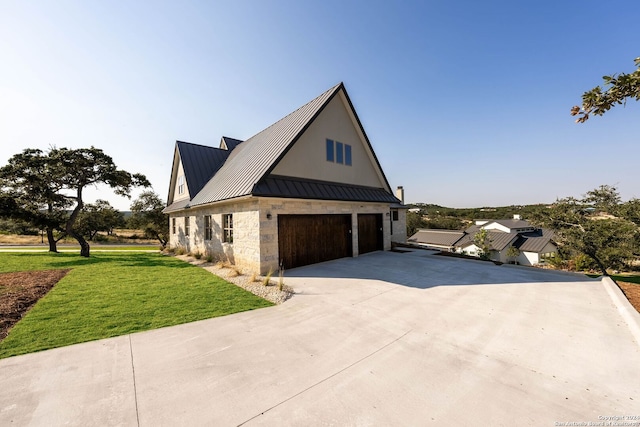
(69, 260)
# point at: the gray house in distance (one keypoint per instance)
(534, 244)
(307, 189)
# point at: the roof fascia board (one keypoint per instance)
(174, 172)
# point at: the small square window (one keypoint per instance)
(330, 156)
(186, 226)
(395, 215)
(347, 154)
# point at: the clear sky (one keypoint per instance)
(466, 103)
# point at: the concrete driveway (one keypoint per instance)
(383, 339)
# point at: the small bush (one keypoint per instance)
(253, 277)
(209, 256)
(281, 279)
(267, 278)
(197, 255)
(181, 251)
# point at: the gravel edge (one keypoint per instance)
(230, 274)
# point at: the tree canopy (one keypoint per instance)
(40, 187)
(617, 89)
(598, 225)
(146, 214)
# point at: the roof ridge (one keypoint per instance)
(197, 145)
(334, 88)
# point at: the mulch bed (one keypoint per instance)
(632, 292)
(20, 291)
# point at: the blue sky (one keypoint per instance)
(466, 103)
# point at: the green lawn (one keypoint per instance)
(113, 293)
(629, 278)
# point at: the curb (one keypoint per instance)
(626, 310)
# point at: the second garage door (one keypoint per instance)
(309, 239)
(370, 236)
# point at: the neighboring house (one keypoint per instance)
(307, 189)
(533, 244)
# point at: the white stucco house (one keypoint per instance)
(533, 244)
(307, 189)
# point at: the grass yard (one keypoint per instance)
(116, 293)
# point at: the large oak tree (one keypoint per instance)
(55, 181)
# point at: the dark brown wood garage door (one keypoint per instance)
(308, 239)
(370, 236)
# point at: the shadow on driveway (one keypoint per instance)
(423, 270)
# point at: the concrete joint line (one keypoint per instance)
(327, 378)
(628, 313)
(375, 296)
(133, 373)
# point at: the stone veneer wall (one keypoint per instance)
(399, 227)
(255, 237)
(245, 249)
(275, 207)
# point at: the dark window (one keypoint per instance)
(347, 154)
(330, 156)
(208, 232)
(173, 225)
(227, 220)
(395, 215)
(339, 152)
(186, 226)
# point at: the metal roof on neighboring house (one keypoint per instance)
(299, 188)
(534, 241)
(510, 223)
(199, 163)
(437, 237)
(498, 240)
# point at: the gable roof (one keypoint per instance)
(227, 143)
(510, 223)
(534, 241)
(498, 240)
(199, 163)
(247, 168)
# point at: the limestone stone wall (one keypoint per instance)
(399, 227)
(245, 249)
(255, 228)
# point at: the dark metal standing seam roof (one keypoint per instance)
(200, 163)
(231, 143)
(534, 241)
(298, 188)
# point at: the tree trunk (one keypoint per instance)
(84, 246)
(53, 244)
(602, 268)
